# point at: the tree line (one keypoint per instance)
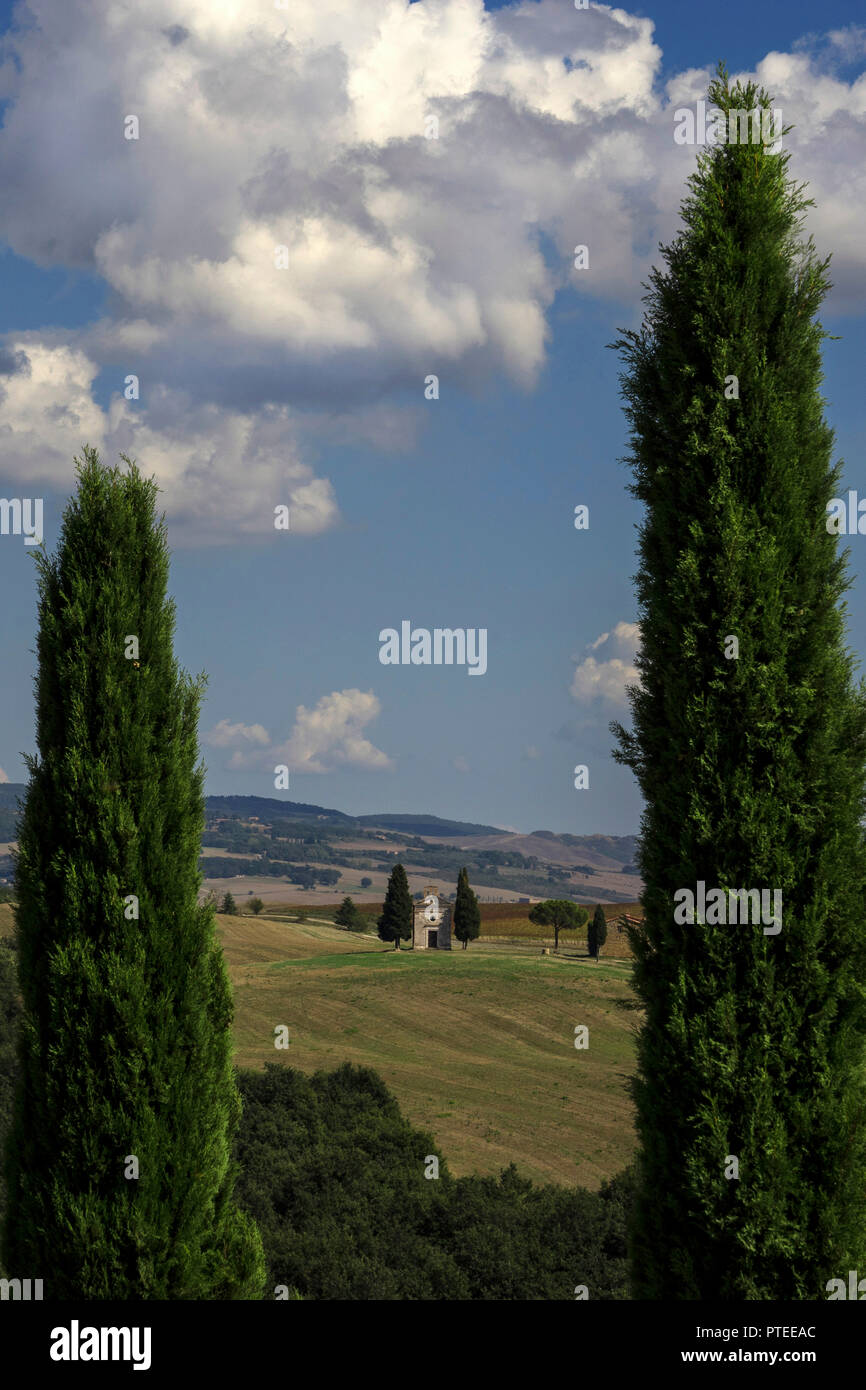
(303, 875)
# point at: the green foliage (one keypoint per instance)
(236, 839)
(512, 1241)
(10, 1023)
(366, 883)
(334, 1176)
(596, 935)
(395, 923)
(467, 913)
(126, 1044)
(303, 875)
(348, 916)
(560, 914)
(752, 769)
(229, 906)
(256, 906)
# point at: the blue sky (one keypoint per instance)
(405, 260)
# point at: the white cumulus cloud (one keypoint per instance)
(228, 735)
(307, 129)
(304, 129)
(322, 738)
(223, 472)
(607, 678)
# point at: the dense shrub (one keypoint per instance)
(335, 1179)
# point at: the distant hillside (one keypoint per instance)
(270, 808)
(526, 863)
(619, 847)
(428, 825)
(604, 853)
(267, 808)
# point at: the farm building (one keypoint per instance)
(625, 920)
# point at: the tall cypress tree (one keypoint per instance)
(120, 1177)
(467, 913)
(596, 936)
(395, 923)
(750, 755)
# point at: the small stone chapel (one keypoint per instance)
(431, 923)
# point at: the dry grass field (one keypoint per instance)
(477, 1045)
(277, 890)
(506, 922)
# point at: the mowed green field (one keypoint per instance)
(477, 1045)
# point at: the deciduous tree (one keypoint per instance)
(560, 914)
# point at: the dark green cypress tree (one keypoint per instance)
(395, 923)
(467, 913)
(126, 1046)
(596, 935)
(10, 1016)
(751, 765)
(348, 916)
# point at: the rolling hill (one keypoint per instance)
(274, 838)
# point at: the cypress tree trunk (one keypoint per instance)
(751, 764)
(126, 1048)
